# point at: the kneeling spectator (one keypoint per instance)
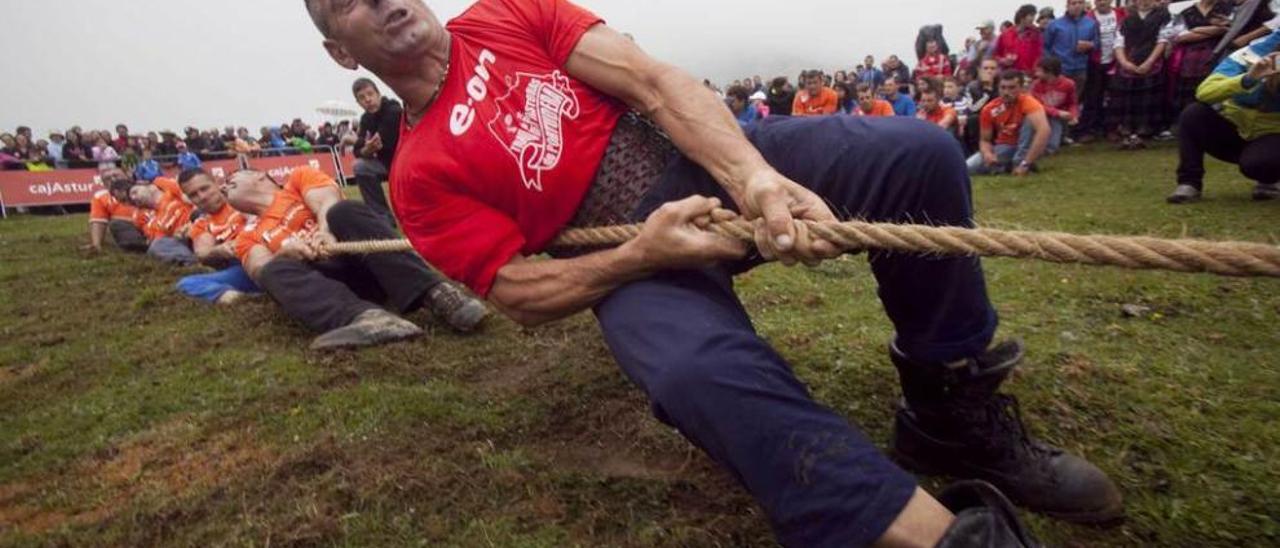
(213, 238)
(1058, 95)
(285, 253)
(932, 110)
(1014, 130)
(168, 230)
(1245, 132)
(870, 105)
(110, 211)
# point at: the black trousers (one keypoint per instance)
(1202, 130)
(329, 294)
(1094, 116)
(127, 236)
(374, 196)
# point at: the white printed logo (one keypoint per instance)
(535, 137)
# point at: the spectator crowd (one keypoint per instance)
(1107, 69)
(145, 153)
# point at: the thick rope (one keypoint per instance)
(1134, 252)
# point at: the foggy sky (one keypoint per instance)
(166, 64)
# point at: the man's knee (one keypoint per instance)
(1260, 166)
(1196, 114)
(699, 378)
(348, 211)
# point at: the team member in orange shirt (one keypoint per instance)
(1015, 130)
(870, 105)
(816, 99)
(213, 237)
(167, 231)
(110, 211)
(285, 254)
(932, 110)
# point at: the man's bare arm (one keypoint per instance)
(97, 230)
(1040, 122)
(704, 130)
(537, 292)
(320, 200)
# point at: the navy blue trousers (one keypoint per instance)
(685, 339)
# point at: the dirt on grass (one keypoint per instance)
(163, 462)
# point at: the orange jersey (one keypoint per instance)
(1005, 121)
(288, 215)
(105, 208)
(224, 226)
(825, 103)
(880, 108)
(173, 211)
(938, 116)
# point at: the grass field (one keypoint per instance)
(130, 415)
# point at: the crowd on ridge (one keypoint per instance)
(1125, 73)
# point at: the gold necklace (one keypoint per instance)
(416, 116)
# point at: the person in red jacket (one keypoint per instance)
(1058, 95)
(1020, 47)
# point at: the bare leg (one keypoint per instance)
(921, 524)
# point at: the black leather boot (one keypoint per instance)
(952, 422)
(984, 518)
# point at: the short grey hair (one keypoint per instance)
(317, 16)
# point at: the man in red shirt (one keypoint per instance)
(933, 111)
(110, 210)
(284, 253)
(1058, 95)
(1021, 46)
(1015, 130)
(517, 126)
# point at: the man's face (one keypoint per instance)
(889, 89)
(814, 85)
(1043, 75)
(1075, 8)
(929, 102)
(113, 175)
(866, 100)
(1103, 5)
(737, 105)
(1010, 90)
(204, 192)
(143, 196)
(122, 131)
(931, 47)
(381, 35)
(869, 62)
(986, 32)
(989, 70)
(950, 89)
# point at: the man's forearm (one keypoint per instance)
(1038, 144)
(96, 231)
(537, 292)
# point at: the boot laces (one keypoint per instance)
(1008, 435)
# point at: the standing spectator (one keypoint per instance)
(739, 103)
(8, 144)
(1137, 91)
(870, 105)
(932, 110)
(24, 131)
(376, 144)
(121, 141)
(327, 137)
(982, 48)
(870, 74)
(1057, 93)
(1072, 39)
(757, 84)
(347, 137)
(816, 99)
(1246, 131)
(22, 147)
(1264, 20)
(893, 68)
(148, 168)
(74, 152)
(187, 160)
(103, 153)
(1093, 120)
(1046, 16)
(934, 63)
(168, 144)
(1021, 46)
(9, 161)
(1014, 130)
(1197, 30)
(56, 143)
(759, 102)
(193, 140)
(902, 103)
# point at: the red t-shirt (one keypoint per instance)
(934, 65)
(1057, 96)
(1026, 44)
(501, 160)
